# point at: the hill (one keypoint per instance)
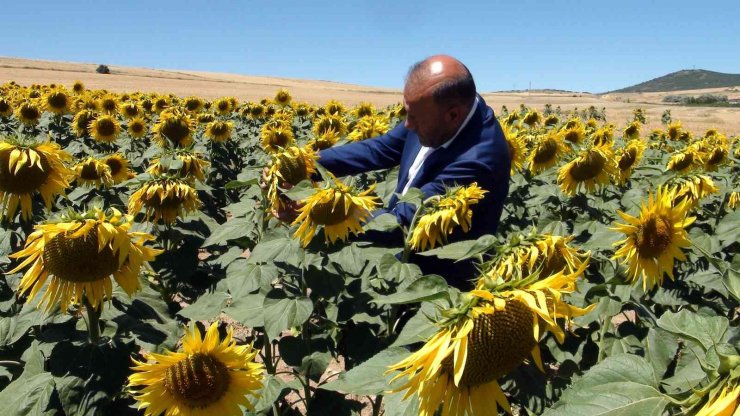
(686, 79)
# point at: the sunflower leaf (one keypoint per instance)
(368, 377)
(283, 313)
(706, 330)
(425, 288)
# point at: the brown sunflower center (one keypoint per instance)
(293, 169)
(572, 136)
(282, 97)
(717, 157)
(131, 110)
(57, 101)
(683, 162)
(28, 178)
(531, 118)
(325, 213)
(115, 166)
(220, 129)
(108, 105)
(192, 105)
(4, 106)
(588, 167)
(78, 259)
(198, 380)
(547, 150)
(105, 127)
(653, 237)
(175, 130)
(497, 344)
(628, 158)
(136, 127)
(279, 138)
(29, 112)
(90, 172)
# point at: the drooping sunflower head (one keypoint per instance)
(193, 105)
(723, 400)
(693, 189)
(6, 108)
(120, 167)
(603, 136)
(137, 128)
(209, 375)
(445, 213)
(368, 127)
(328, 122)
(511, 118)
(517, 148)
(29, 169)
(654, 239)
(326, 140)
(546, 151)
(551, 120)
(93, 172)
(632, 131)
(219, 131)
(292, 165)
(174, 129)
(180, 164)
(78, 254)
(716, 157)
(674, 130)
(733, 199)
(57, 101)
(276, 136)
(532, 118)
(628, 158)
(159, 104)
(685, 160)
(164, 199)
(104, 129)
(335, 108)
(592, 168)
(338, 208)
(81, 122)
(28, 113)
(283, 97)
(363, 109)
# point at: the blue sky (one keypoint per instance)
(573, 45)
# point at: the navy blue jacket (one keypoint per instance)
(478, 154)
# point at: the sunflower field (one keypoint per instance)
(182, 256)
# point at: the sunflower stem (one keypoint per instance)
(93, 321)
(268, 354)
(409, 234)
(606, 324)
(377, 404)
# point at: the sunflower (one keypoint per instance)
(674, 131)
(193, 105)
(104, 129)
(692, 189)
(363, 109)
(137, 128)
(369, 127)
(257, 111)
(603, 136)
(302, 110)
(517, 148)
(511, 118)
(546, 152)
(208, 376)
(653, 241)
(29, 169)
(283, 97)
(28, 113)
(81, 122)
(592, 168)
(326, 140)
(182, 164)
(165, 199)
(78, 87)
(716, 157)
(276, 136)
(160, 104)
(627, 159)
(338, 208)
(78, 254)
(93, 172)
(486, 336)
(219, 131)
(174, 128)
(222, 106)
(120, 168)
(335, 108)
(532, 118)
(131, 110)
(329, 122)
(291, 165)
(551, 120)
(685, 160)
(6, 109)
(57, 101)
(733, 199)
(573, 135)
(439, 218)
(108, 104)
(632, 131)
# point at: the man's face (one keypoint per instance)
(428, 119)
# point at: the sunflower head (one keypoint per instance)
(81, 122)
(180, 164)
(291, 165)
(632, 131)
(546, 151)
(79, 253)
(532, 118)
(302, 110)
(329, 122)
(604, 136)
(174, 129)
(628, 158)
(108, 104)
(276, 136)
(335, 108)
(511, 118)
(209, 375)
(257, 112)
(674, 131)
(29, 169)
(326, 140)
(283, 97)
(131, 110)
(692, 189)
(93, 172)
(716, 157)
(222, 106)
(685, 160)
(104, 129)
(369, 127)
(28, 113)
(120, 168)
(593, 167)
(164, 199)
(78, 87)
(219, 131)
(137, 128)
(6, 108)
(551, 120)
(159, 104)
(363, 109)
(338, 208)
(517, 148)
(57, 101)
(573, 135)
(193, 105)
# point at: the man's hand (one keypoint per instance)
(288, 210)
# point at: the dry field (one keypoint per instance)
(212, 85)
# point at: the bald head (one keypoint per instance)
(442, 77)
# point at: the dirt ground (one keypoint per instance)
(253, 88)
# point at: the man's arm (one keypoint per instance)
(382, 152)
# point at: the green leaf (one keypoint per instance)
(31, 393)
(368, 377)
(428, 287)
(301, 191)
(419, 327)
(391, 269)
(413, 196)
(621, 385)
(660, 349)
(706, 330)
(14, 327)
(247, 309)
(243, 278)
(462, 250)
(241, 184)
(395, 405)
(206, 307)
(314, 365)
(283, 313)
(385, 222)
(233, 229)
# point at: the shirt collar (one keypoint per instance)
(474, 107)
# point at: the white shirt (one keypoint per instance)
(425, 151)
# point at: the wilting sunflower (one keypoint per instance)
(79, 253)
(716, 157)
(692, 189)
(276, 136)
(511, 118)
(104, 129)
(81, 122)
(733, 199)
(632, 131)
(524, 255)
(369, 127)
(283, 97)
(338, 208)
(363, 110)
(57, 102)
(93, 172)
(674, 131)
(6, 109)
(685, 160)
(443, 214)
(532, 118)
(326, 140)
(165, 199)
(573, 135)
(604, 136)
(593, 167)
(486, 336)
(219, 131)
(27, 169)
(120, 168)
(175, 128)
(517, 148)
(291, 165)
(137, 128)
(546, 151)
(182, 164)
(628, 158)
(551, 120)
(329, 122)
(209, 376)
(28, 113)
(653, 241)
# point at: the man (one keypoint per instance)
(450, 137)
